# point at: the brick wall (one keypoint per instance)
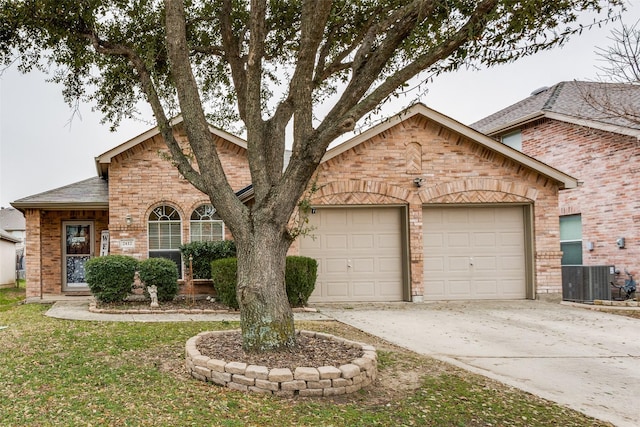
(608, 199)
(44, 262)
(142, 178)
(454, 170)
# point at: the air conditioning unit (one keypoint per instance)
(585, 283)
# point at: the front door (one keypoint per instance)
(77, 250)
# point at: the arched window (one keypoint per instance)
(165, 234)
(206, 225)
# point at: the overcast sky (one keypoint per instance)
(40, 150)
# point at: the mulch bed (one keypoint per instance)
(309, 352)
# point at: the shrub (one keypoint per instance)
(204, 253)
(163, 273)
(300, 277)
(224, 276)
(110, 277)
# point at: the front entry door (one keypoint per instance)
(78, 249)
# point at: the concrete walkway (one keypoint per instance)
(79, 310)
(583, 359)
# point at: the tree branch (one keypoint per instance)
(179, 158)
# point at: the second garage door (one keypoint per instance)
(474, 253)
(359, 253)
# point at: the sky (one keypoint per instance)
(43, 146)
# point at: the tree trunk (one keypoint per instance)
(266, 317)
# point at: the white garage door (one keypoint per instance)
(474, 253)
(359, 253)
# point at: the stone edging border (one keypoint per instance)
(609, 303)
(93, 308)
(303, 381)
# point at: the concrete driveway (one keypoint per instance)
(583, 359)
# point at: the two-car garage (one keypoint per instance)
(469, 252)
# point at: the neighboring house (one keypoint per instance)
(566, 126)
(13, 223)
(7, 258)
(418, 207)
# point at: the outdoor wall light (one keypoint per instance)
(128, 219)
(590, 246)
(418, 182)
(620, 242)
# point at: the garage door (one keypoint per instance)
(474, 253)
(359, 253)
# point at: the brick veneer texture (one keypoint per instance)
(380, 171)
(607, 165)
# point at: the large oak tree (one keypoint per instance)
(307, 70)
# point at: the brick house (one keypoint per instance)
(570, 126)
(418, 207)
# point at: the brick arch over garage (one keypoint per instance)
(479, 190)
(361, 192)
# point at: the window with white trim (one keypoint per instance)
(206, 225)
(165, 234)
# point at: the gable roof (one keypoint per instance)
(565, 180)
(12, 219)
(573, 102)
(92, 193)
(103, 160)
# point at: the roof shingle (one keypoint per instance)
(575, 99)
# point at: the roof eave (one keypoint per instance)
(104, 159)
(59, 206)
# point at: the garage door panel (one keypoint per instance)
(336, 289)
(363, 265)
(335, 265)
(459, 288)
(474, 253)
(484, 240)
(458, 240)
(335, 242)
(434, 264)
(362, 241)
(360, 250)
(459, 264)
(388, 241)
(485, 263)
(486, 287)
(389, 265)
(433, 240)
(364, 290)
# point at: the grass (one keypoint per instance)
(75, 373)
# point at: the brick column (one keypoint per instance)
(33, 252)
(416, 253)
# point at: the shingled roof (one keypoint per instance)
(575, 102)
(92, 193)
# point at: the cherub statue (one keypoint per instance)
(153, 293)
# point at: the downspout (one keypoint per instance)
(40, 262)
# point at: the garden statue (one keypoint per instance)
(153, 293)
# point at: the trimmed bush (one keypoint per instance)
(110, 277)
(163, 273)
(204, 253)
(300, 277)
(224, 274)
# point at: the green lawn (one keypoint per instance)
(74, 373)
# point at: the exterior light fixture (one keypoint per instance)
(128, 219)
(418, 182)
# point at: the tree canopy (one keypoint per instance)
(319, 66)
